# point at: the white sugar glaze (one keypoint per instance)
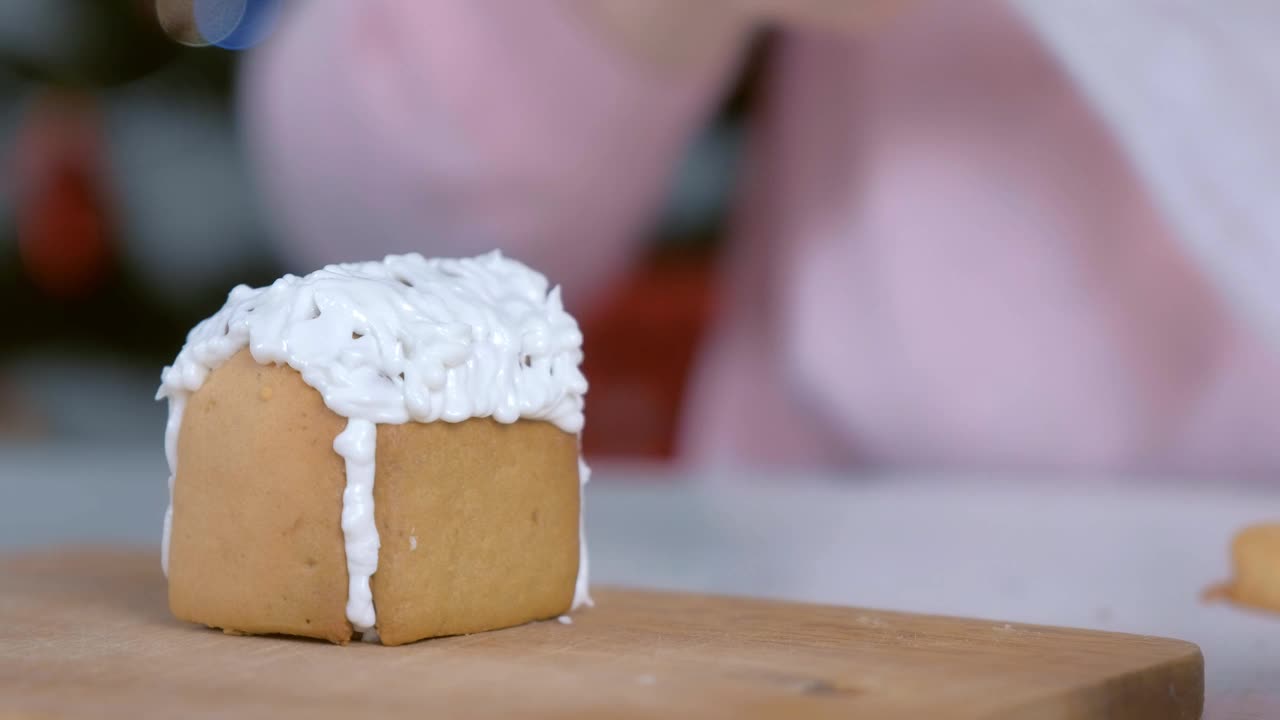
(399, 340)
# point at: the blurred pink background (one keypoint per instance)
(804, 235)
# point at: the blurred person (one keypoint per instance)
(940, 258)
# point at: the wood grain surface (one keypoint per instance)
(86, 633)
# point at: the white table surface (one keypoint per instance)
(1131, 557)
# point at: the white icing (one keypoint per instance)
(581, 588)
(177, 403)
(403, 339)
(357, 445)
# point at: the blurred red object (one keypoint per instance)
(639, 348)
(61, 214)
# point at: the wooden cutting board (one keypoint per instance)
(88, 634)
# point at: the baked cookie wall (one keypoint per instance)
(478, 520)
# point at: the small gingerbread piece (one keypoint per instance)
(1255, 557)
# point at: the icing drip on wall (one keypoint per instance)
(581, 588)
(357, 445)
(399, 340)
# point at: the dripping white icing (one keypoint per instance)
(403, 339)
(177, 403)
(357, 445)
(581, 588)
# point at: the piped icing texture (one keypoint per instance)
(398, 340)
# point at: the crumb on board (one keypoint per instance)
(565, 620)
